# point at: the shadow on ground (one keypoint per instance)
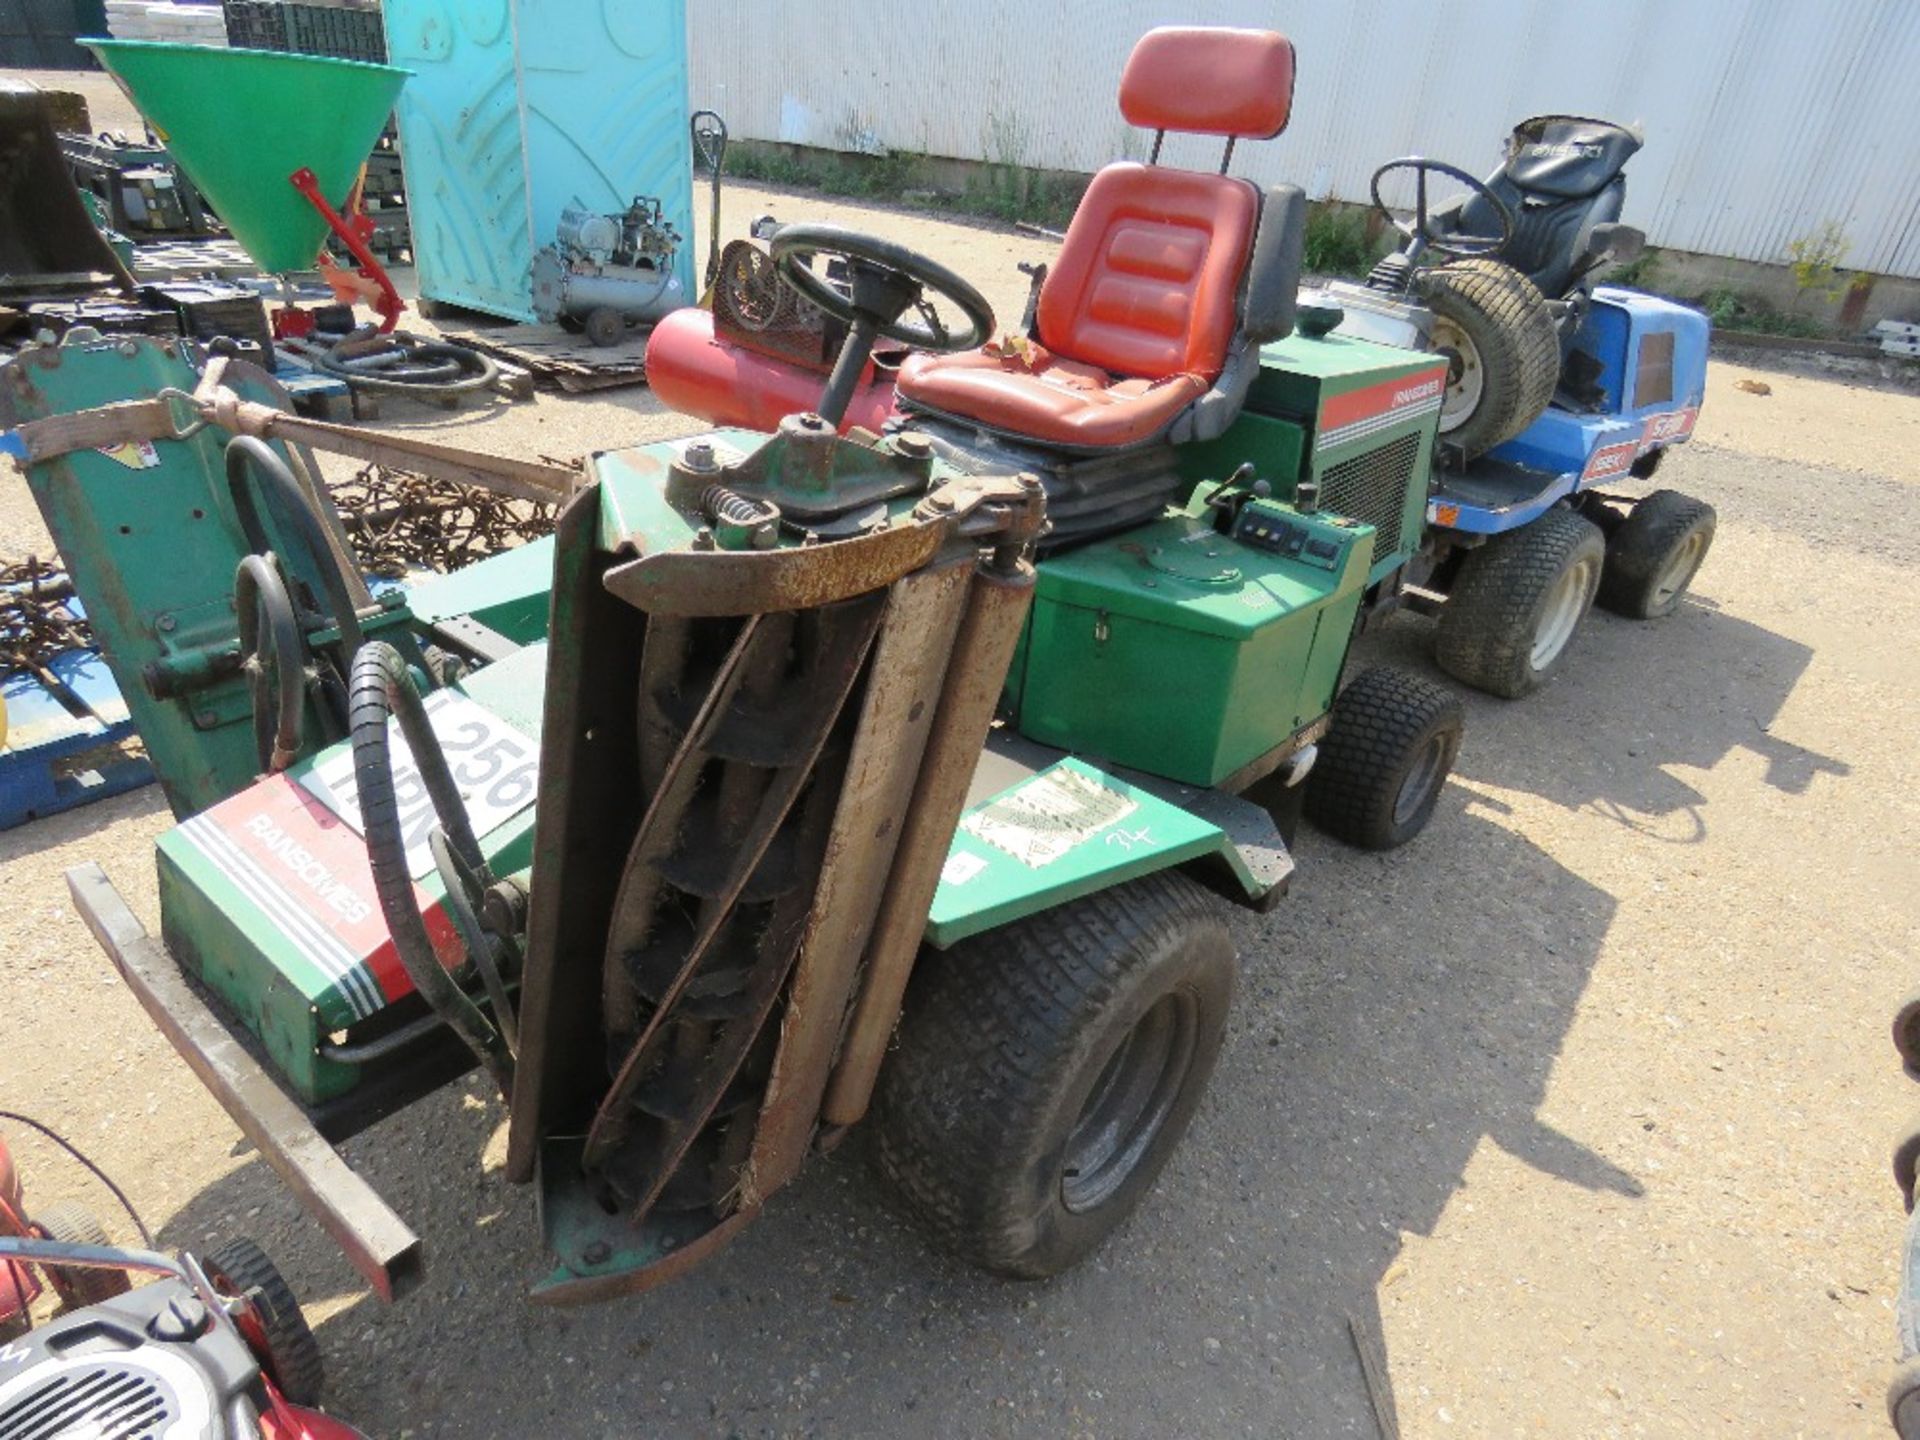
(1684, 692)
(1360, 1075)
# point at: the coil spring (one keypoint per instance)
(724, 506)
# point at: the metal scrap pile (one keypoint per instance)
(35, 623)
(398, 521)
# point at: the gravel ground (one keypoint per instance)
(1579, 1107)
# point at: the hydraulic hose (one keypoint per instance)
(279, 711)
(256, 473)
(382, 689)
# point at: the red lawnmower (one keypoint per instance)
(212, 1347)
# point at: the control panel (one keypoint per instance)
(1317, 540)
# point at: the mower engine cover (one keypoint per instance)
(1639, 362)
(151, 1362)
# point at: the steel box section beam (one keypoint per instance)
(378, 1243)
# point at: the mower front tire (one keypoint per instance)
(1046, 1070)
(1511, 614)
(1386, 758)
(273, 1323)
(1653, 555)
(72, 1224)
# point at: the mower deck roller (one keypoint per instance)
(242, 123)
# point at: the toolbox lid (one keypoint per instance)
(1182, 573)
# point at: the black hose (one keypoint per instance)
(279, 711)
(251, 464)
(410, 365)
(383, 689)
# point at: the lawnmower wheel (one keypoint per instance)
(274, 1326)
(1046, 1070)
(1502, 349)
(1386, 758)
(1654, 554)
(1517, 601)
(72, 1224)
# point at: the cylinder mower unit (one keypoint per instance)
(803, 722)
(609, 272)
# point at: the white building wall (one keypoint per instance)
(1764, 118)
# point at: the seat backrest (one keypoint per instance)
(1149, 276)
(1549, 235)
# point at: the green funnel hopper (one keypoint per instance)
(241, 122)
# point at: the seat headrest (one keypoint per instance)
(1209, 80)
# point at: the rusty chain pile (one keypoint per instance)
(398, 521)
(35, 624)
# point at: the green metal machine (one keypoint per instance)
(837, 776)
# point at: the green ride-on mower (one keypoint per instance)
(807, 793)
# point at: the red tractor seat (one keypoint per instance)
(1134, 320)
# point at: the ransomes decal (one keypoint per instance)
(1360, 413)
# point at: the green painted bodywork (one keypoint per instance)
(243, 953)
(152, 541)
(1281, 431)
(1174, 619)
(508, 592)
(1049, 854)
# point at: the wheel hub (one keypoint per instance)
(1130, 1102)
(1560, 616)
(1466, 376)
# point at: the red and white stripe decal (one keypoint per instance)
(307, 872)
(1668, 426)
(1360, 413)
(1611, 460)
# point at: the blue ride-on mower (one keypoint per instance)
(1555, 388)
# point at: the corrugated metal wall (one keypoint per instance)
(1764, 118)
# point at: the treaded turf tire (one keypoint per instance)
(1009, 1040)
(1653, 555)
(1506, 317)
(73, 1224)
(1386, 758)
(290, 1353)
(1508, 595)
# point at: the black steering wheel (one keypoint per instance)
(1420, 232)
(886, 280)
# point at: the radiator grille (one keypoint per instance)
(1373, 487)
(100, 1402)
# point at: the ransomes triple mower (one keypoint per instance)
(1555, 387)
(782, 784)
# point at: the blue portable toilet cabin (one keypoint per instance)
(518, 109)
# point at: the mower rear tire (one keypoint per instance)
(1045, 1071)
(1653, 555)
(73, 1224)
(1502, 349)
(275, 1326)
(1517, 601)
(1386, 758)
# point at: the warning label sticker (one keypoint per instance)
(1046, 817)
